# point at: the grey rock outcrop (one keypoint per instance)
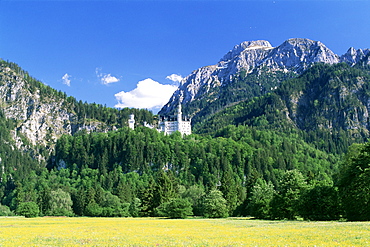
(353, 56)
(298, 54)
(42, 120)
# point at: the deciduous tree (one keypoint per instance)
(215, 205)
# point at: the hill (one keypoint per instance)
(130, 172)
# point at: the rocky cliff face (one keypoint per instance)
(353, 56)
(293, 56)
(40, 119)
(336, 99)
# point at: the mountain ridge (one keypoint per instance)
(291, 57)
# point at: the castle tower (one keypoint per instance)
(179, 113)
(179, 116)
(176, 122)
(131, 121)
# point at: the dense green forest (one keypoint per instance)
(256, 158)
(145, 170)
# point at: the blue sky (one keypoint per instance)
(124, 52)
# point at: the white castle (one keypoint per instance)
(171, 124)
(168, 124)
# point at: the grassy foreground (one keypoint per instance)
(189, 232)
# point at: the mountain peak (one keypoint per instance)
(246, 45)
(298, 53)
(304, 45)
(300, 41)
(353, 56)
(256, 44)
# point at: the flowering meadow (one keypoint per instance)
(17, 231)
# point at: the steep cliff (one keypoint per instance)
(42, 114)
(40, 119)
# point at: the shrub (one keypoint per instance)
(28, 209)
(5, 211)
(177, 208)
(93, 209)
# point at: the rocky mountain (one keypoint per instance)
(42, 114)
(259, 65)
(353, 56)
(251, 69)
(35, 116)
(39, 118)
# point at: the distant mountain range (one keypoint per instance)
(252, 69)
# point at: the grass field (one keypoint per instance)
(16, 231)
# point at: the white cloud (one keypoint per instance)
(175, 78)
(66, 80)
(148, 94)
(105, 78)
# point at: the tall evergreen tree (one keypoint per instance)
(354, 183)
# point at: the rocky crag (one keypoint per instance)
(41, 114)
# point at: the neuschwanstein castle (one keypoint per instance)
(168, 124)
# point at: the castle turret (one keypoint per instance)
(179, 113)
(131, 121)
(179, 117)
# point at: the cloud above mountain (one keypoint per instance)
(175, 78)
(66, 79)
(105, 78)
(148, 94)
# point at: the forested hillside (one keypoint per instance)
(327, 106)
(277, 156)
(33, 116)
(109, 174)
